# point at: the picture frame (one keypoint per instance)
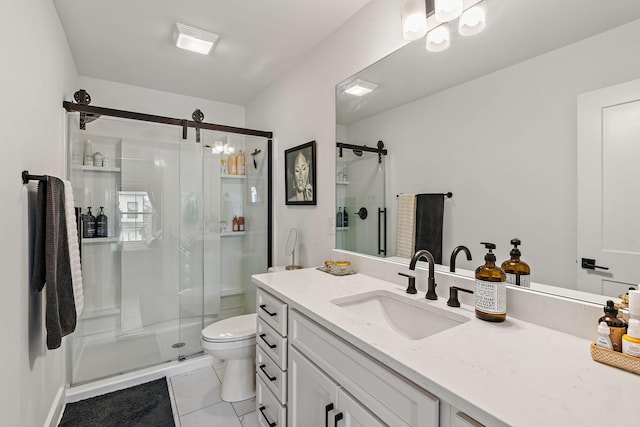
(300, 174)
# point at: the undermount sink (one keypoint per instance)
(406, 317)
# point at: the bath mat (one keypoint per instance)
(143, 405)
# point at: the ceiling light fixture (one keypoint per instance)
(420, 17)
(360, 87)
(194, 39)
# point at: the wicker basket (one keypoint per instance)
(613, 358)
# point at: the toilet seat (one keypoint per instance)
(237, 328)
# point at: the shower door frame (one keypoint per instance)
(87, 111)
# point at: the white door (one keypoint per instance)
(313, 396)
(609, 189)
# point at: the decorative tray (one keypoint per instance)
(344, 272)
(616, 359)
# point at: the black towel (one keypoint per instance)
(51, 264)
(429, 215)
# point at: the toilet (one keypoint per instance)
(234, 341)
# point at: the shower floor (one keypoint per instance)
(101, 356)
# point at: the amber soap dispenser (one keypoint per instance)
(518, 272)
(490, 289)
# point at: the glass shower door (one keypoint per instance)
(360, 208)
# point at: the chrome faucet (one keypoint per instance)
(431, 282)
(454, 254)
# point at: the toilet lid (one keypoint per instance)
(235, 328)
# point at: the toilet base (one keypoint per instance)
(239, 380)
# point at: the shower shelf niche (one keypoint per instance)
(96, 168)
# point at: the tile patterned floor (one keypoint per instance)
(197, 402)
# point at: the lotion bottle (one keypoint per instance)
(631, 340)
(603, 339)
(490, 289)
(517, 271)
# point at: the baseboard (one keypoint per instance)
(57, 409)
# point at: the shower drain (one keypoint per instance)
(178, 345)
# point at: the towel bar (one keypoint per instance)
(447, 195)
(26, 177)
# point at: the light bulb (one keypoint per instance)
(439, 38)
(414, 19)
(473, 20)
(448, 10)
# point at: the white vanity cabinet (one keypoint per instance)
(271, 360)
(317, 400)
(325, 370)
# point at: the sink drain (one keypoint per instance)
(178, 345)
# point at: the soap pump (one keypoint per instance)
(518, 271)
(490, 289)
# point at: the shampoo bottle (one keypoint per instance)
(240, 163)
(517, 271)
(339, 217)
(88, 153)
(617, 326)
(89, 225)
(345, 217)
(490, 289)
(101, 224)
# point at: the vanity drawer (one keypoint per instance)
(272, 343)
(269, 372)
(396, 401)
(270, 412)
(272, 311)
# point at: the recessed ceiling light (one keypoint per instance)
(360, 87)
(194, 39)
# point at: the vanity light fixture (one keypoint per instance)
(221, 147)
(360, 87)
(432, 17)
(414, 19)
(439, 38)
(194, 39)
(448, 10)
(473, 20)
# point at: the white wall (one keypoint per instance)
(300, 106)
(134, 98)
(508, 132)
(37, 73)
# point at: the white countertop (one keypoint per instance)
(520, 373)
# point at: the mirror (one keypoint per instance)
(290, 248)
(493, 120)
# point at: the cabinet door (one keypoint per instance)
(353, 414)
(463, 420)
(313, 397)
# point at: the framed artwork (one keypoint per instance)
(300, 174)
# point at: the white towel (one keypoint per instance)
(406, 225)
(74, 250)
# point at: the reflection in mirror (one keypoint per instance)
(290, 248)
(361, 219)
(494, 120)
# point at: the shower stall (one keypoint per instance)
(361, 214)
(171, 261)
